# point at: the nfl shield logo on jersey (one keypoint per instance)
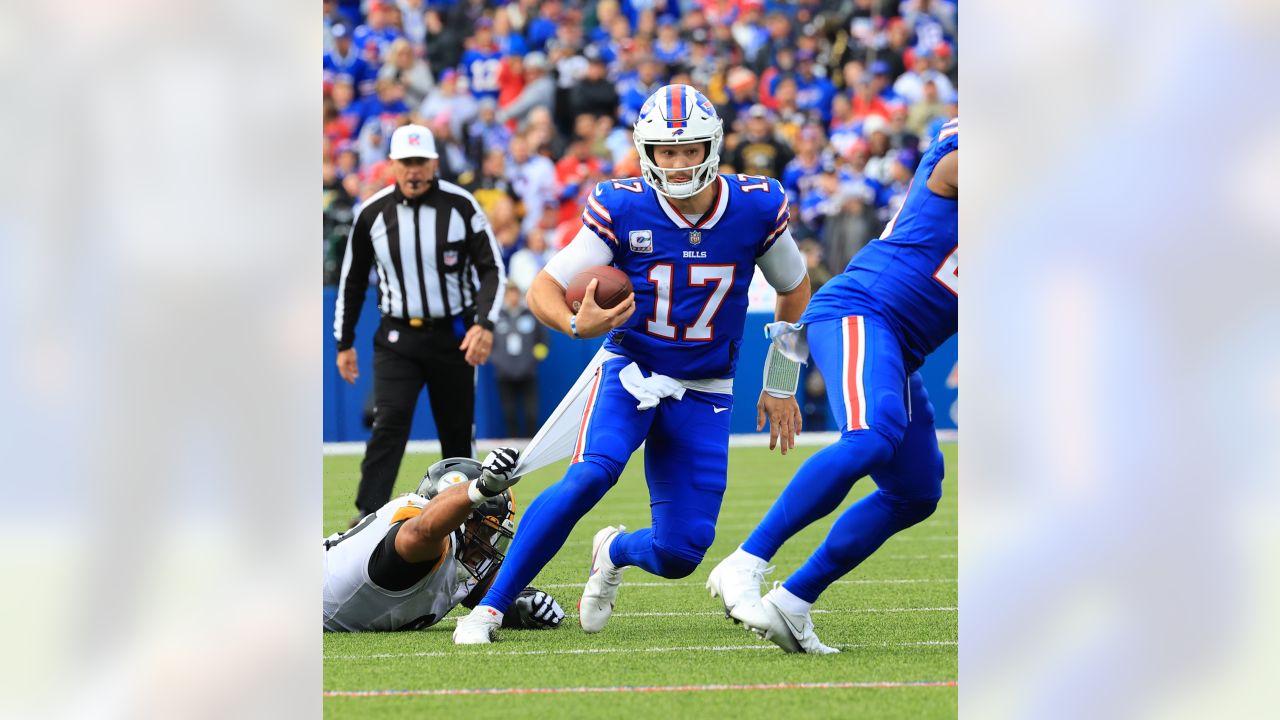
(642, 241)
(695, 237)
(450, 258)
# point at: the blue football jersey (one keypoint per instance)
(910, 275)
(690, 278)
(482, 68)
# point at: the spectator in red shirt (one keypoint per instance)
(721, 12)
(572, 172)
(511, 81)
(865, 101)
(538, 90)
(342, 125)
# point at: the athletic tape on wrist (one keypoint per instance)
(781, 376)
(473, 492)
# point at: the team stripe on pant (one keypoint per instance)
(854, 334)
(580, 447)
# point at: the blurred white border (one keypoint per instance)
(1120, 352)
(162, 409)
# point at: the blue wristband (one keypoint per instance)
(573, 327)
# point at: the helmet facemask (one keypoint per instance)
(485, 535)
(484, 546)
(678, 115)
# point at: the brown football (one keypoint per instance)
(613, 288)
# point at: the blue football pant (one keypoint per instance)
(886, 432)
(686, 459)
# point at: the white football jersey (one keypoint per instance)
(353, 603)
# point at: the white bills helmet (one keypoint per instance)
(678, 115)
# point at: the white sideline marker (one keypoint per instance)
(805, 439)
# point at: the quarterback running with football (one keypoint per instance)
(869, 331)
(689, 240)
(407, 565)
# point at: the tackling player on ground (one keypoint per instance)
(407, 565)
(689, 239)
(869, 330)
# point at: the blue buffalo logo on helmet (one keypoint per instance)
(678, 115)
(648, 106)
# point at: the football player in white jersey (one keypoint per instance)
(407, 565)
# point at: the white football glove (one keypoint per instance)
(496, 472)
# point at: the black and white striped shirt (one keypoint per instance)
(436, 257)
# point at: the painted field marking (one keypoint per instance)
(818, 611)
(432, 447)
(642, 689)
(603, 651)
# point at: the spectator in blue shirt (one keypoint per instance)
(606, 12)
(388, 100)
(636, 90)
(482, 61)
(798, 175)
(485, 132)
(344, 60)
(374, 37)
(543, 28)
(882, 82)
(508, 41)
(669, 48)
(812, 92)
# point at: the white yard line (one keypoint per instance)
(721, 614)
(875, 685)
(612, 650)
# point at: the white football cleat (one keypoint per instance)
(789, 631)
(480, 627)
(596, 604)
(736, 581)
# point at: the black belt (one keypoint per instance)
(427, 323)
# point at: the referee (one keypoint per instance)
(439, 275)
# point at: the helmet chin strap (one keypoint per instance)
(678, 190)
(665, 188)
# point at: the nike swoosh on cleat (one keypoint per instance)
(795, 631)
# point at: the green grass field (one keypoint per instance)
(894, 618)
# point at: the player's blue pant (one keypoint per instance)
(886, 432)
(685, 460)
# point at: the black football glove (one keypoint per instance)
(496, 471)
(533, 609)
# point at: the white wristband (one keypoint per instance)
(473, 492)
(781, 375)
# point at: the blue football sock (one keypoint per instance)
(544, 528)
(857, 533)
(818, 488)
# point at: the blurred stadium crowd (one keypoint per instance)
(531, 103)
